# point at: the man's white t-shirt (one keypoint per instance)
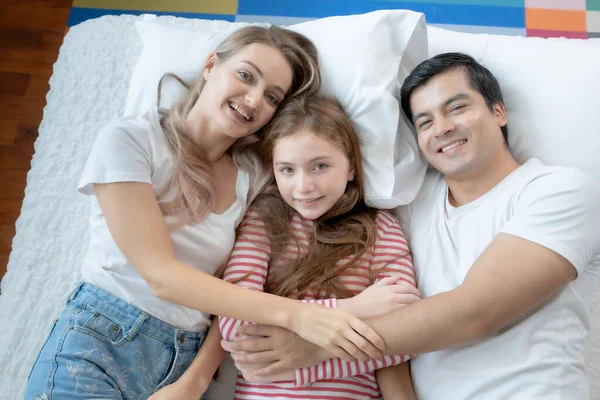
(136, 150)
(541, 356)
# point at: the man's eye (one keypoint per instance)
(422, 124)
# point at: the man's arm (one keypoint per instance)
(510, 278)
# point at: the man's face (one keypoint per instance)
(456, 130)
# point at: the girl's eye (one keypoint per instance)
(320, 167)
(245, 75)
(286, 170)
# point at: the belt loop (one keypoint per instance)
(74, 292)
(136, 327)
(179, 338)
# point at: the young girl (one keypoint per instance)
(167, 192)
(312, 237)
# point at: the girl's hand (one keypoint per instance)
(338, 331)
(381, 298)
(180, 390)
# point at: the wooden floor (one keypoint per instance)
(31, 32)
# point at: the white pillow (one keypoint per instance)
(363, 57)
(551, 88)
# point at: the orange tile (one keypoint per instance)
(555, 20)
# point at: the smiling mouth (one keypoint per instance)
(452, 145)
(240, 111)
(308, 201)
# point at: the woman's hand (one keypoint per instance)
(180, 390)
(381, 298)
(337, 331)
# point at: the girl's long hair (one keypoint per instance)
(192, 177)
(345, 232)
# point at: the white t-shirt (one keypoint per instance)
(541, 356)
(136, 150)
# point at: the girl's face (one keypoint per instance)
(311, 172)
(242, 92)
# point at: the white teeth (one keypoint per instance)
(308, 200)
(240, 111)
(453, 145)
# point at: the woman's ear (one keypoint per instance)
(210, 62)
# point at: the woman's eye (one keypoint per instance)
(320, 167)
(286, 170)
(273, 100)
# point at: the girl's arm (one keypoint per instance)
(395, 382)
(391, 251)
(137, 225)
(195, 380)
(248, 267)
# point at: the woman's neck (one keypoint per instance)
(206, 136)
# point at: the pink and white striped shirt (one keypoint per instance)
(334, 378)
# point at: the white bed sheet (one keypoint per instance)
(88, 89)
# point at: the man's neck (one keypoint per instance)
(473, 185)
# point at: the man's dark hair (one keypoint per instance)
(480, 78)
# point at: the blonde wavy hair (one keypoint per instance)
(192, 177)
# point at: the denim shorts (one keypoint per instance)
(104, 348)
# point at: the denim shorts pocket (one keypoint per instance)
(42, 348)
(180, 361)
(95, 323)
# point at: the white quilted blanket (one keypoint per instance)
(88, 89)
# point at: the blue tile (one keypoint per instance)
(436, 13)
(80, 14)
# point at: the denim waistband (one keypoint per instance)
(135, 319)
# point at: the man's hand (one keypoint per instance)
(274, 349)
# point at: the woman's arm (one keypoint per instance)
(395, 382)
(196, 378)
(137, 225)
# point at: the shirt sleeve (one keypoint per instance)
(560, 210)
(121, 153)
(391, 257)
(248, 267)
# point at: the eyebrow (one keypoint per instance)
(320, 158)
(451, 100)
(260, 73)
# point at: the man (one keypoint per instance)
(507, 256)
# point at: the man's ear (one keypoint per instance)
(210, 62)
(500, 113)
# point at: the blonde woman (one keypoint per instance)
(168, 191)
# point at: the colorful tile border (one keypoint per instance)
(542, 18)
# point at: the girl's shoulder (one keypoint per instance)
(386, 217)
(387, 224)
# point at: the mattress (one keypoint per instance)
(87, 89)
